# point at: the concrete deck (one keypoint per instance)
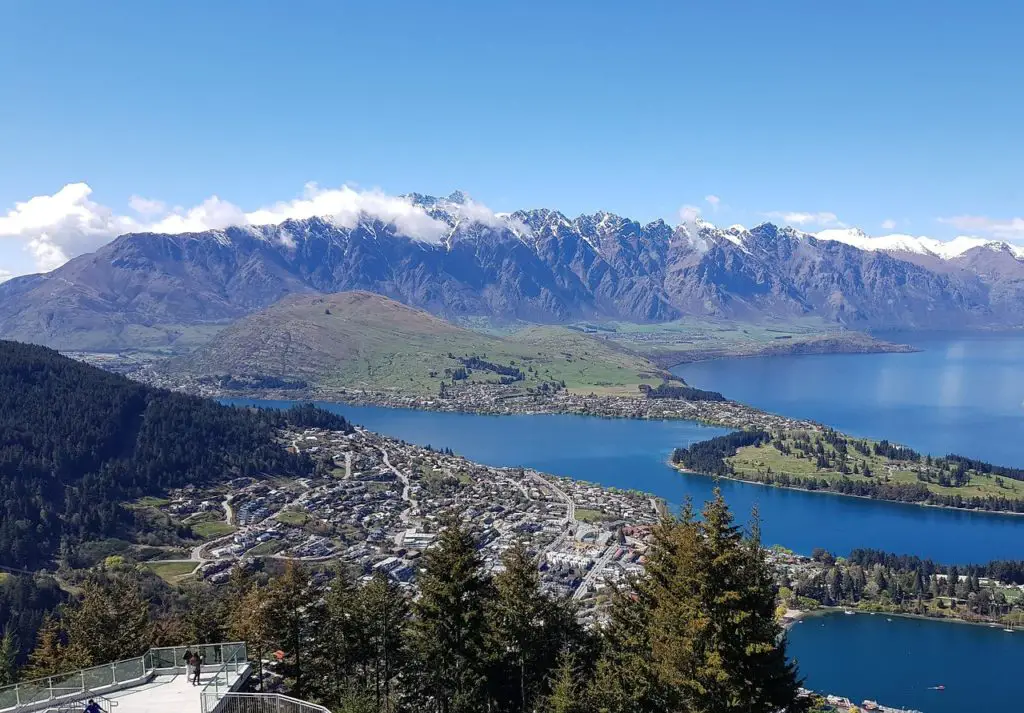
(171, 693)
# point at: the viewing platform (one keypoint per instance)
(156, 682)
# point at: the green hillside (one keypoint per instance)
(77, 442)
(363, 340)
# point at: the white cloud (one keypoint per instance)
(5, 275)
(147, 207)
(345, 206)
(822, 219)
(53, 229)
(689, 214)
(888, 224)
(212, 214)
(1002, 229)
(713, 201)
(68, 223)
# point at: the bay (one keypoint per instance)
(897, 661)
(961, 394)
(633, 454)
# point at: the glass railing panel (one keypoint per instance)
(128, 670)
(34, 692)
(8, 697)
(98, 676)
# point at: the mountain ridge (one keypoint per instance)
(150, 289)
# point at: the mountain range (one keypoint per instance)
(146, 290)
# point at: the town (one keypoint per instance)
(378, 503)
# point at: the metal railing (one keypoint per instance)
(76, 703)
(234, 658)
(112, 676)
(265, 703)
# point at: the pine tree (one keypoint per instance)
(251, 621)
(206, 618)
(338, 643)
(9, 650)
(109, 623)
(741, 658)
(289, 600)
(384, 619)
(528, 629)
(565, 696)
(699, 633)
(448, 672)
(47, 658)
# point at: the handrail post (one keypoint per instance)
(81, 674)
(49, 683)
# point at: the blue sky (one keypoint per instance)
(853, 113)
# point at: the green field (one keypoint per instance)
(212, 529)
(359, 340)
(171, 571)
(587, 515)
(691, 339)
(151, 502)
(768, 459)
(266, 548)
(293, 517)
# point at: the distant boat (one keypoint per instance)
(847, 611)
(1008, 629)
(940, 687)
(888, 619)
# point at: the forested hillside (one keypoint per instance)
(76, 442)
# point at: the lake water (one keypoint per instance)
(961, 394)
(897, 662)
(633, 454)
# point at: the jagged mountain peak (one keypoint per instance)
(535, 265)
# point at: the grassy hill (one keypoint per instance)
(364, 340)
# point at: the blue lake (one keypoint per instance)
(961, 394)
(899, 662)
(633, 454)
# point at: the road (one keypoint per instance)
(570, 515)
(598, 567)
(406, 490)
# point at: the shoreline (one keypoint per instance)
(741, 417)
(799, 615)
(843, 495)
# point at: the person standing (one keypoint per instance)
(196, 664)
(93, 707)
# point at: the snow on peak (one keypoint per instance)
(920, 245)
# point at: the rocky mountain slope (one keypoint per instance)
(540, 266)
(364, 340)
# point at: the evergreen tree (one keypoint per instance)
(384, 619)
(448, 672)
(288, 612)
(338, 644)
(110, 622)
(251, 621)
(700, 632)
(528, 629)
(47, 658)
(9, 650)
(566, 695)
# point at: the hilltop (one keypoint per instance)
(360, 340)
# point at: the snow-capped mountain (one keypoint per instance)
(919, 245)
(537, 265)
